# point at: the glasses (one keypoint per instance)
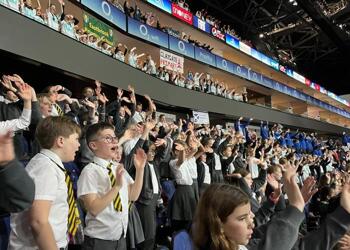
(108, 139)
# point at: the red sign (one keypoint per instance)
(217, 33)
(307, 82)
(181, 13)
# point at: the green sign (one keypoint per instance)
(98, 28)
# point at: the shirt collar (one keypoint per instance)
(53, 156)
(101, 162)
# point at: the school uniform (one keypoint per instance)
(108, 229)
(147, 204)
(214, 162)
(183, 203)
(47, 171)
(194, 174)
(53, 21)
(204, 178)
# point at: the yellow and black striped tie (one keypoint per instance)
(73, 212)
(59, 110)
(117, 202)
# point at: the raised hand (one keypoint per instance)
(89, 104)
(6, 82)
(120, 93)
(98, 84)
(179, 147)
(159, 142)
(344, 242)
(24, 91)
(130, 133)
(292, 189)
(64, 97)
(58, 87)
(140, 158)
(147, 97)
(150, 125)
(131, 89)
(308, 190)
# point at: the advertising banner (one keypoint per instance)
(148, 33)
(181, 47)
(181, 14)
(162, 4)
(98, 28)
(108, 11)
(204, 56)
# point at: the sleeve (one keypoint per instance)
(17, 188)
(260, 181)
(87, 182)
(285, 225)
(17, 124)
(67, 92)
(36, 114)
(334, 227)
(46, 182)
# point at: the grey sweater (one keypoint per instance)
(281, 233)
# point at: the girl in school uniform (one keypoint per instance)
(183, 203)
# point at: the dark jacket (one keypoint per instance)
(17, 188)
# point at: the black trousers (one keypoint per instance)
(98, 244)
(148, 217)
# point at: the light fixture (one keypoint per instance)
(261, 35)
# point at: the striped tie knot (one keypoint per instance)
(59, 110)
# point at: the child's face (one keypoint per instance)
(105, 145)
(239, 225)
(70, 147)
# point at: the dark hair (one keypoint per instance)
(93, 130)
(52, 127)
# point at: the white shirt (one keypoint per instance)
(108, 224)
(50, 185)
(217, 161)
(130, 144)
(154, 179)
(67, 28)
(181, 173)
(137, 117)
(16, 124)
(53, 21)
(13, 4)
(253, 167)
(132, 59)
(207, 178)
(192, 165)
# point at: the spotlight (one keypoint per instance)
(261, 35)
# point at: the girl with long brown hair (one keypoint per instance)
(224, 221)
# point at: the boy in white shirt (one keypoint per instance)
(106, 189)
(46, 224)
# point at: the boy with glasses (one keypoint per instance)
(106, 189)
